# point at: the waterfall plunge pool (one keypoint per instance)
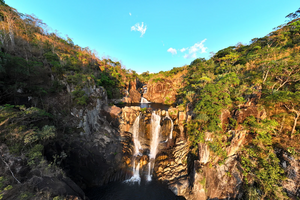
(124, 191)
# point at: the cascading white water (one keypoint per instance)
(172, 124)
(143, 100)
(137, 146)
(135, 135)
(155, 130)
(149, 172)
(136, 174)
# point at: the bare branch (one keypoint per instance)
(9, 169)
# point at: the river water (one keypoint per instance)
(132, 191)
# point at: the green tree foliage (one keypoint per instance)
(265, 74)
(260, 162)
(293, 15)
(290, 101)
(213, 98)
(28, 62)
(23, 130)
(80, 97)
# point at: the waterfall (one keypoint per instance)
(143, 100)
(136, 174)
(172, 124)
(137, 146)
(155, 130)
(135, 135)
(149, 172)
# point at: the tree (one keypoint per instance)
(291, 101)
(198, 60)
(213, 98)
(259, 161)
(294, 15)
(286, 73)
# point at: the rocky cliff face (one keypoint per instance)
(94, 149)
(46, 179)
(89, 152)
(212, 180)
(172, 167)
(100, 149)
(96, 154)
(132, 93)
(291, 166)
(163, 91)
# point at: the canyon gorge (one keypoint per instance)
(77, 127)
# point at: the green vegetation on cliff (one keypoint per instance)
(42, 73)
(38, 62)
(36, 65)
(264, 74)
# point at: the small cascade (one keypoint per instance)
(154, 142)
(172, 124)
(143, 100)
(155, 129)
(135, 135)
(136, 174)
(137, 146)
(149, 172)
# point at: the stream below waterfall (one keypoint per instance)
(124, 191)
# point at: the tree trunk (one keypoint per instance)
(295, 123)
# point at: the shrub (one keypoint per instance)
(80, 97)
(259, 160)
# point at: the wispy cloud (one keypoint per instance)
(183, 49)
(130, 14)
(193, 50)
(172, 51)
(139, 28)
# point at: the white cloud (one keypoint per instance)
(193, 50)
(139, 28)
(130, 14)
(172, 51)
(187, 56)
(183, 49)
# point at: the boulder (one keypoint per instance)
(135, 96)
(241, 114)
(237, 141)
(112, 114)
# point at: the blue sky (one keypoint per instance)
(158, 35)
